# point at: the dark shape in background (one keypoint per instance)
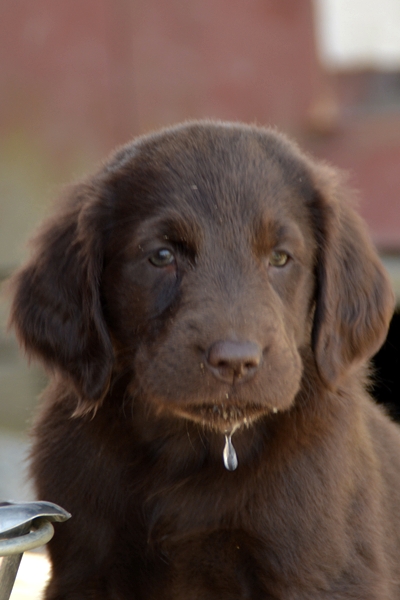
(386, 387)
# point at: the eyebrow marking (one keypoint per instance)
(174, 228)
(178, 229)
(270, 232)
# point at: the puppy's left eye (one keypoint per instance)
(278, 258)
(162, 258)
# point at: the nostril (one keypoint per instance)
(230, 359)
(250, 365)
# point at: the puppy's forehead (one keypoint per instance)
(222, 171)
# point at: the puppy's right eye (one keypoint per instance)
(162, 258)
(278, 258)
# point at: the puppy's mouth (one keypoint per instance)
(221, 417)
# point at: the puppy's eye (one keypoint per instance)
(278, 258)
(162, 258)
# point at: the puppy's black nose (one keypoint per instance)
(232, 361)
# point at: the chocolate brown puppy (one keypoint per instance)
(206, 305)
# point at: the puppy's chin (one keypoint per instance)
(222, 418)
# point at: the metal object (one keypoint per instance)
(23, 527)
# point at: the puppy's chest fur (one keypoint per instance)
(198, 531)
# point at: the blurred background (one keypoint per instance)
(79, 77)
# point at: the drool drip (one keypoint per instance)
(230, 457)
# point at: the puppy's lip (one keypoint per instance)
(222, 417)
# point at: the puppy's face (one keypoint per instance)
(215, 266)
(209, 280)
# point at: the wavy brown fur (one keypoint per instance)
(155, 355)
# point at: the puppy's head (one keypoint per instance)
(207, 261)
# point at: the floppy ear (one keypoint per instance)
(56, 309)
(354, 301)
